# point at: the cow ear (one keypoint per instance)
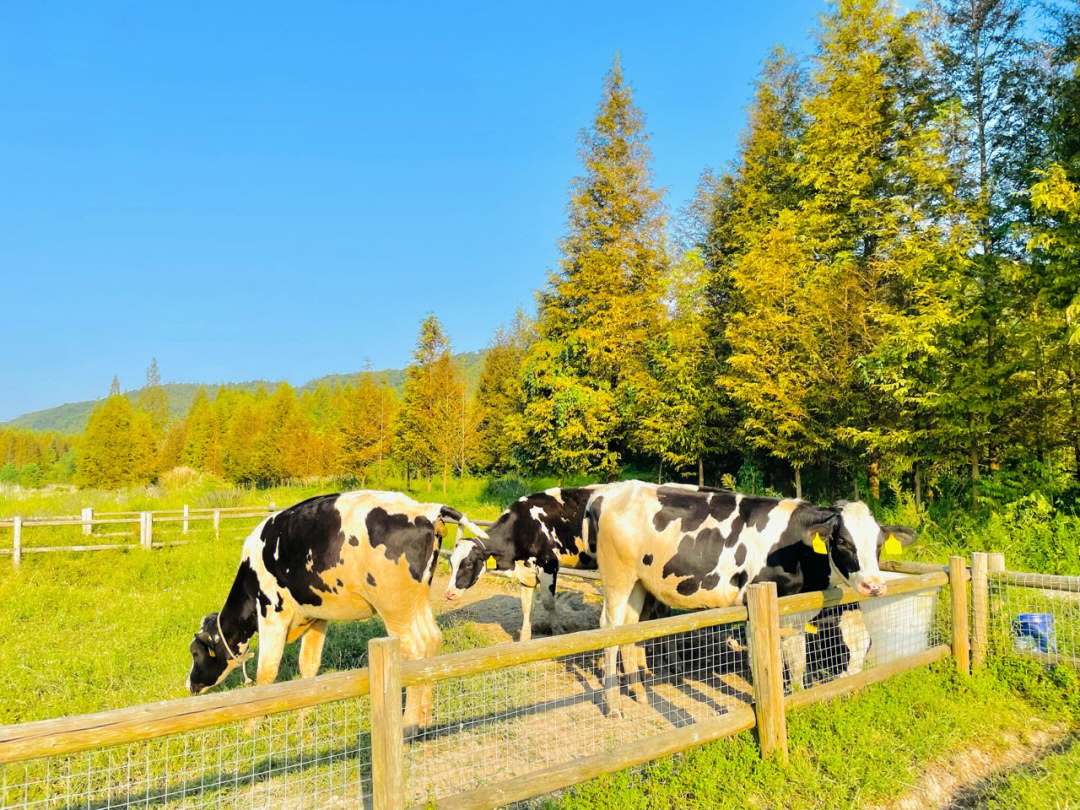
(204, 638)
(898, 537)
(820, 534)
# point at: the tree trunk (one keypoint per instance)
(660, 473)
(408, 476)
(832, 482)
(856, 477)
(873, 478)
(917, 473)
(445, 473)
(700, 471)
(798, 482)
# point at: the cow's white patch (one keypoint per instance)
(537, 513)
(864, 531)
(462, 550)
(726, 523)
(556, 493)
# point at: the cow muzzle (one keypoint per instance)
(874, 586)
(452, 594)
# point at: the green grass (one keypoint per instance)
(847, 753)
(1051, 783)
(86, 632)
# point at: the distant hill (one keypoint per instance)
(72, 417)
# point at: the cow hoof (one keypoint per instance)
(640, 696)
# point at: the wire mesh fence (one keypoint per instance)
(497, 717)
(501, 724)
(301, 759)
(1034, 615)
(819, 646)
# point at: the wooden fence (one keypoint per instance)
(764, 621)
(137, 524)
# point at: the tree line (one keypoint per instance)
(881, 286)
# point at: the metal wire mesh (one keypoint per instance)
(1035, 616)
(517, 720)
(844, 640)
(316, 759)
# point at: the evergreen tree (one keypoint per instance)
(114, 387)
(202, 447)
(113, 448)
(363, 429)
(153, 400)
(602, 306)
(423, 438)
(500, 400)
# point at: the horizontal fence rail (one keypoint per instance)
(139, 525)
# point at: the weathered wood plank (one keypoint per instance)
(816, 600)
(909, 567)
(961, 649)
(1051, 658)
(980, 607)
(387, 731)
(471, 662)
(66, 735)
(1044, 582)
(768, 669)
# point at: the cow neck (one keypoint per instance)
(237, 621)
(499, 541)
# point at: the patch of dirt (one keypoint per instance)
(494, 604)
(956, 781)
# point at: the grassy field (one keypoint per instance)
(94, 631)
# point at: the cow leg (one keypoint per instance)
(856, 639)
(432, 639)
(615, 598)
(273, 631)
(311, 647)
(633, 655)
(793, 652)
(546, 578)
(527, 594)
(413, 647)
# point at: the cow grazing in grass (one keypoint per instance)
(333, 557)
(693, 548)
(532, 539)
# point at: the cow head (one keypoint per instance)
(852, 539)
(468, 561)
(210, 661)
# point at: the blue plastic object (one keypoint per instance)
(1035, 631)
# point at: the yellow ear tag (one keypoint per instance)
(810, 627)
(819, 544)
(491, 563)
(892, 546)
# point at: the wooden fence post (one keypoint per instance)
(146, 530)
(217, 524)
(980, 608)
(767, 668)
(185, 519)
(16, 547)
(88, 515)
(387, 731)
(960, 638)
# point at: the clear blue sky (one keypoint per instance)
(282, 192)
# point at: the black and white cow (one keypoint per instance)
(333, 557)
(701, 549)
(532, 539)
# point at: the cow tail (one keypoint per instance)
(454, 516)
(592, 522)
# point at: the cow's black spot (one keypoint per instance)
(353, 541)
(593, 518)
(647, 559)
(341, 584)
(738, 579)
(586, 561)
(740, 554)
(402, 536)
(710, 581)
(695, 559)
(311, 528)
(688, 586)
(370, 580)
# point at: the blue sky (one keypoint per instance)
(282, 192)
